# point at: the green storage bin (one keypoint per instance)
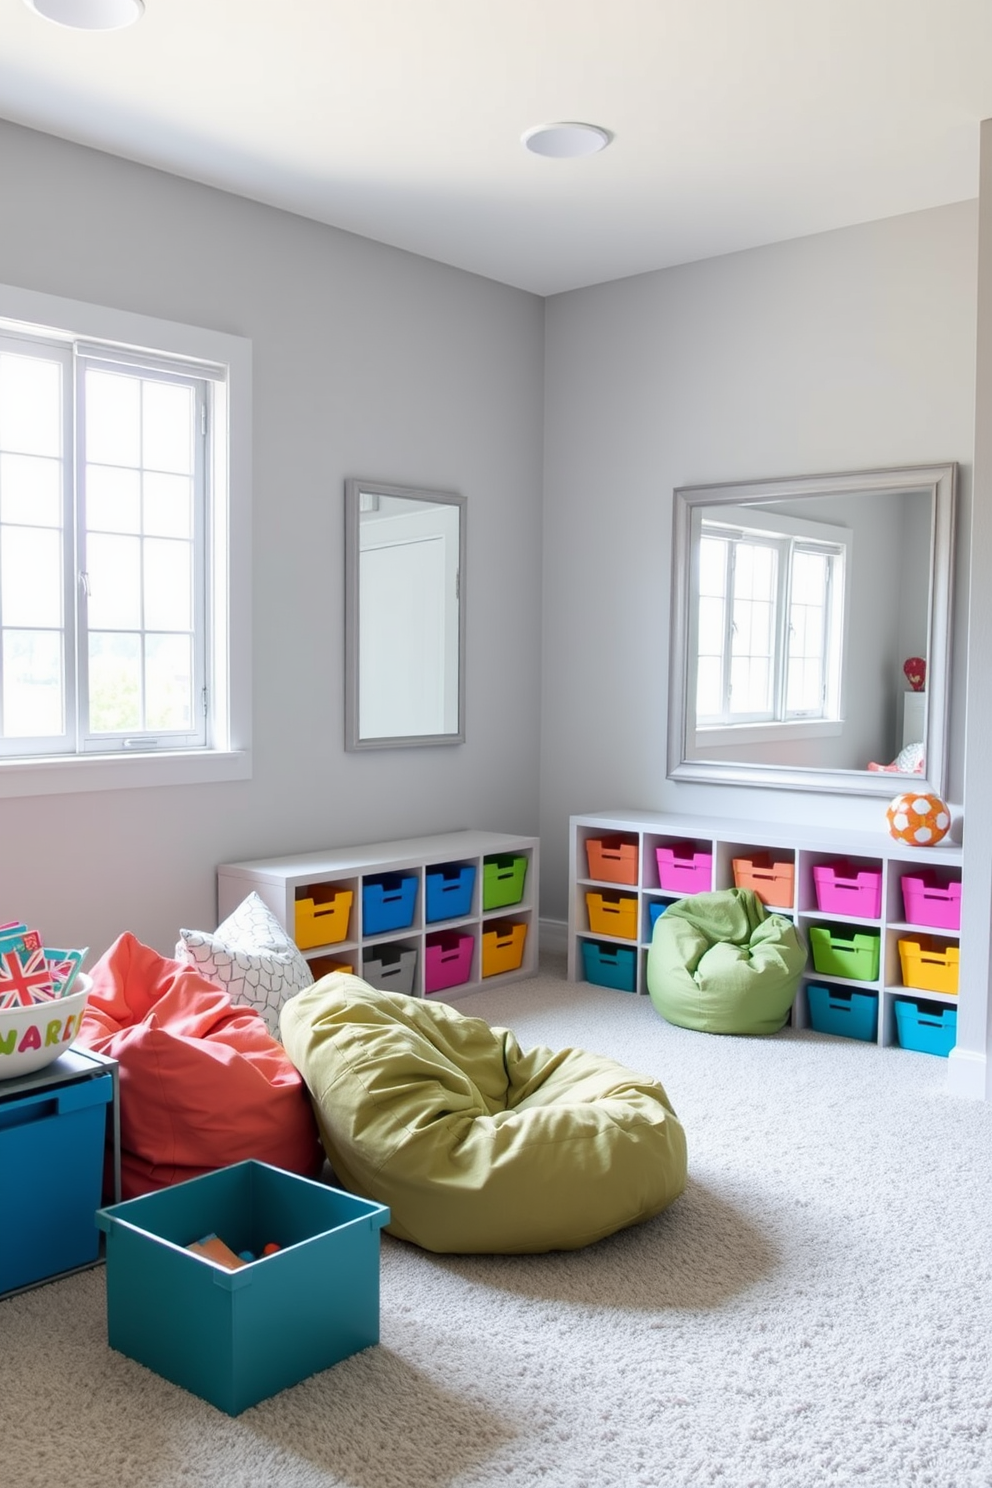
(503, 879)
(855, 957)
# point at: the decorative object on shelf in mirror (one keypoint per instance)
(918, 818)
(916, 672)
(794, 601)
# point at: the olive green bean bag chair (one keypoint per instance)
(475, 1145)
(721, 963)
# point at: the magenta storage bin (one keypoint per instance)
(447, 960)
(685, 870)
(843, 889)
(927, 901)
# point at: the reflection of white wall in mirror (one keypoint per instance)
(914, 718)
(408, 619)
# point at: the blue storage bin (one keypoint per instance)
(236, 1337)
(927, 1027)
(851, 1014)
(52, 1142)
(655, 911)
(609, 965)
(389, 902)
(448, 892)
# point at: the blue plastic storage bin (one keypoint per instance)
(52, 1142)
(389, 902)
(926, 1027)
(448, 892)
(655, 911)
(851, 1014)
(236, 1337)
(609, 965)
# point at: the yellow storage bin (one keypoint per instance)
(322, 915)
(612, 914)
(322, 966)
(503, 946)
(929, 966)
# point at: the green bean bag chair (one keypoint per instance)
(475, 1145)
(720, 963)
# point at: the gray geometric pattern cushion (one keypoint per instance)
(252, 957)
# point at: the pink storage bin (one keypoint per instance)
(928, 901)
(447, 960)
(683, 869)
(844, 889)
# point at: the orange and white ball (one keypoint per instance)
(918, 818)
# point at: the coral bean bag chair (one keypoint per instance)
(475, 1145)
(720, 963)
(202, 1082)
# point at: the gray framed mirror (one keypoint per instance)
(404, 616)
(796, 603)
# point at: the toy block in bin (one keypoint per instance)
(683, 869)
(322, 915)
(609, 965)
(447, 960)
(774, 883)
(390, 968)
(928, 900)
(448, 892)
(235, 1337)
(928, 965)
(612, 859)
(612, 914)
(503, 878)
(502, 946)
(926, 1027)
(850, 1014)
(389, 902)
(837, 954)
(843, 889)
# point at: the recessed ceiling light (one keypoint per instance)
(561, 141)
(89, 15)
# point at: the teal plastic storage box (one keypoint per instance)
(836, 954)
(503, 879)
(236, 1337)
(390, 968)
(851, 1014)
(389, 902)
(927, 1027)
(53, 1133)
(609, 965)
(448, 892)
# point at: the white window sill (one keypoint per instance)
(95, 772)
(766, 733)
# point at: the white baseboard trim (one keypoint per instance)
(967, 1074)
(553, 936)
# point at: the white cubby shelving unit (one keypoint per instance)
(804, 848)
(282, 882)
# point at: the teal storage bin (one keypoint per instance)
(926, 1027)
(850, 1014)
(236, 1337)
(448, 891)
(836, 953)
(503, 879)
(609, 965)
(389, 902)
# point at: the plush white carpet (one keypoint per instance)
(815, 1310)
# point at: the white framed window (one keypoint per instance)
(769, 620)
(124, 549)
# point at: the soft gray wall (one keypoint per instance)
(367, 361)
(849, 350)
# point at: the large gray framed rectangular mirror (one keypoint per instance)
(404, 616)
(795, 604)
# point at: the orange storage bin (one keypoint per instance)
(322, 915)
(612, 859)
(503, 946)
(612, 914)
(774, 883)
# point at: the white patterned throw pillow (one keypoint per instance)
(252, 957)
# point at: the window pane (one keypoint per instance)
(113, 499)
(32, 684)
(750, 690)
(113, 419)
(114, 567)
(115, 683)
(30, 405)
(709, 687)
(167, 427)
(168, 586)
(30, 576)
(31, 490)
(168, 505)
(711, 627)
(168, 682)
(712, 566)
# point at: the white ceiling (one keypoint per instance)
(736, 122)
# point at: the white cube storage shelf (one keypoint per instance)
(803, 848)
(347, 870)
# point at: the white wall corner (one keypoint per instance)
(553, 937)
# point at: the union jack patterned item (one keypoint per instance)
(25, 978)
